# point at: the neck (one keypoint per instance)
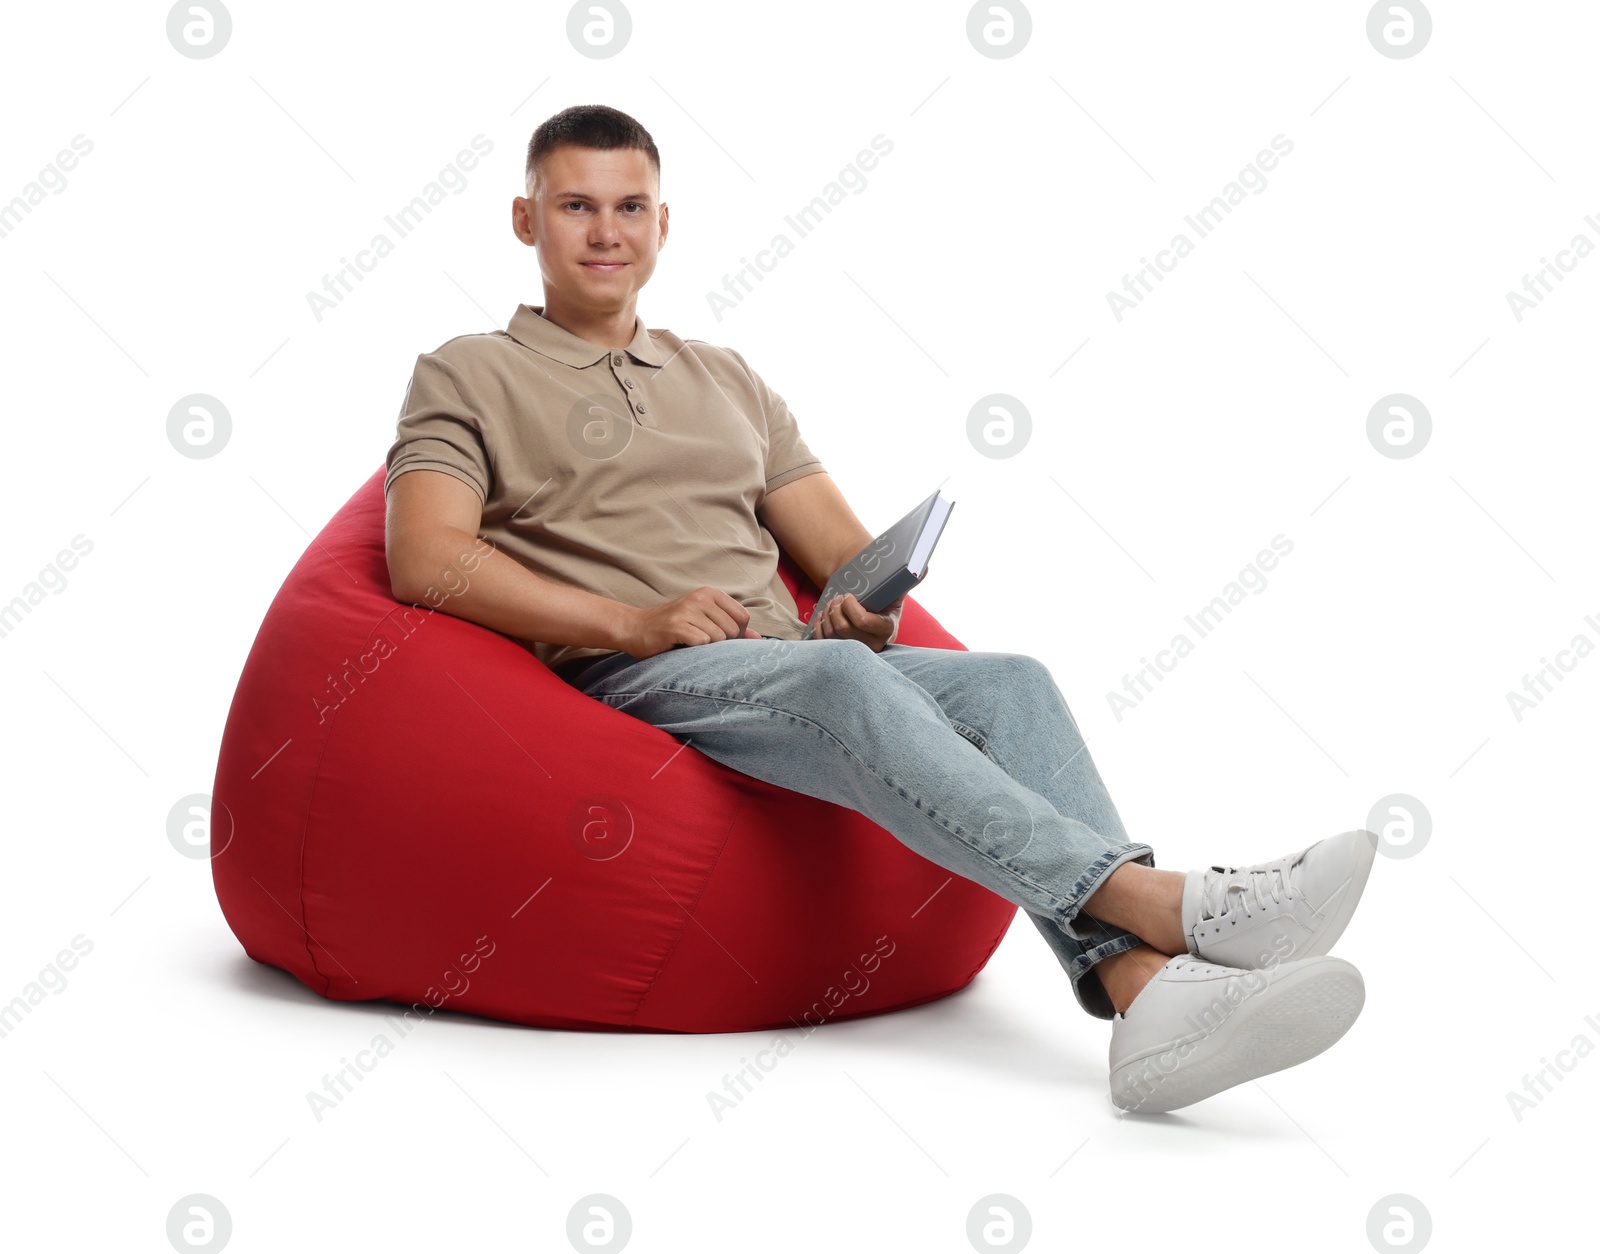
(606, 328)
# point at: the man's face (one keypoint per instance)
(597, 223)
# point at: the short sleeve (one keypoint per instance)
(441, 427)
(788, 457)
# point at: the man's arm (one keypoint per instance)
(814, 524)
(436, 558)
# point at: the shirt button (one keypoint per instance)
(641, 409)
(616, 360)
(629, 383)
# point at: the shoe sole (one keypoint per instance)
(1366, 848)
(1297, 1016)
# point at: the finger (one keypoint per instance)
(728, 627)
(731, 617)
(867, 621)
(736, 611)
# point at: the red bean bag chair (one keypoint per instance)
(412, 807)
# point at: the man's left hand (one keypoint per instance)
(845, 618)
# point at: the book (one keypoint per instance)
(892, 564)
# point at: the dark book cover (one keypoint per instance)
(892, 564)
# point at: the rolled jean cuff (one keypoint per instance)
(1086, 986)
(1091, 880)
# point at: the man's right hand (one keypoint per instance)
(699, 617)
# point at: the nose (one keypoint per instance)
(603, 228)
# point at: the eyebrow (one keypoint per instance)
(586, 196)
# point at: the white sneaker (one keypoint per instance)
(1292, 907)
(1197, 1028)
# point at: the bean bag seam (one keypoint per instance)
(688, 917)
(305, 837)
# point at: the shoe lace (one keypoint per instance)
(1226, 889)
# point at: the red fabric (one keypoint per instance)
(393, 816)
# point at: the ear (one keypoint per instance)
(521, 223)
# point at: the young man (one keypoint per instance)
(636, 488)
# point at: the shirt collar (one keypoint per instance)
(529, 327)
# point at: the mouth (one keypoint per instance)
(603, 267)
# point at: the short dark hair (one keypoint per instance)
(588, 126)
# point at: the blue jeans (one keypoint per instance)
(971, 759)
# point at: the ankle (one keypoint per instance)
(1124, 975)
(1145, 901)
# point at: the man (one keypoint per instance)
(636, 487)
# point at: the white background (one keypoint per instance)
(1229, 407)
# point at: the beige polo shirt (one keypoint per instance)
(634, 473)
